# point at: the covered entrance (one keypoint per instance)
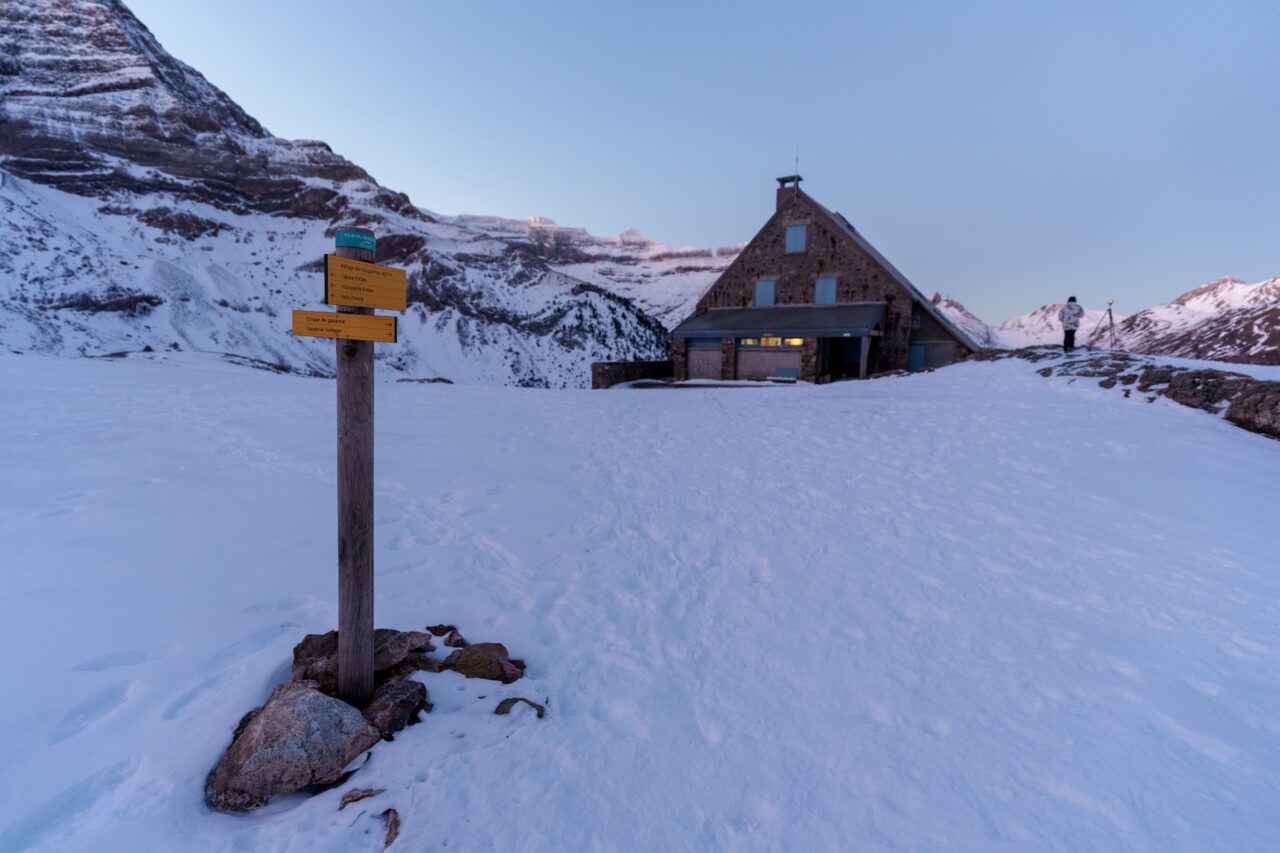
(844, 358)
(813, 342)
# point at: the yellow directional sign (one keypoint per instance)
(351, 327)
(363, 285)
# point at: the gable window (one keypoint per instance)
(764, 293)
(824, 292)
(795, 238)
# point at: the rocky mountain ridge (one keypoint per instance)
(143, 207)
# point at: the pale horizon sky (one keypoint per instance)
(1005, 153)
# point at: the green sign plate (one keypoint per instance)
(355, 240)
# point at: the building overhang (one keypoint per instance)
(799, 321)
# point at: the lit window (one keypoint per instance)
(795, 238)
(764, 294)
(771, 342)
(748, 342)
(824, 292)
(793, 342)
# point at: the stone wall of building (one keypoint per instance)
(809, 360)
(728, 358)
(679, 359)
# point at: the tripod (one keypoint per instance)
(1110, 319)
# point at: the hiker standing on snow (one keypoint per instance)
(1070, 315)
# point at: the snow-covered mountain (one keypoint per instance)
(978, 331)
(665, 282)
(1226, 320)
(143, 207)
(1223, 320)
(1042, 326)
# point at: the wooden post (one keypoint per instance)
(355, 509)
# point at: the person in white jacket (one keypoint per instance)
(1070, 315)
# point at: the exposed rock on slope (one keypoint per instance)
(1249, 403)
(1224, 320)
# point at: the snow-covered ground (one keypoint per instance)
(973, 609)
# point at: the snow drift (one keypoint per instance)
(968, 609)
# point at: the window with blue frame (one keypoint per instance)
(824, 292)
(764, 294)
(795, 238)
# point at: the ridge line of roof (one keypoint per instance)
(793, 307)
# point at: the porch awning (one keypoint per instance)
(800, 321)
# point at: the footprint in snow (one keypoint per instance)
(60, 811)
(125, 657)
(90, 711)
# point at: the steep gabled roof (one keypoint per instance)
(800, 321)
(916, 295)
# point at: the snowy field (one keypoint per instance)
(973, 609)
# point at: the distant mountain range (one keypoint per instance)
(1223, 320)
(142, 207)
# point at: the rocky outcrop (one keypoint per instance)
(300, 737)
(1252, 404)
(1257, 408)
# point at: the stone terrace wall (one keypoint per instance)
(606, 374)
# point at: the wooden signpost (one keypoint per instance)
(357, 286)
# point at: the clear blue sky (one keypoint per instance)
(1007, 153)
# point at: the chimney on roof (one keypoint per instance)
(788, 188)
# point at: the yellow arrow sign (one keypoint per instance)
(351, 327)
(363, 285)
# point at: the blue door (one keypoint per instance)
(915, 357)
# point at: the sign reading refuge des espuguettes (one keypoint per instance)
(362, 285)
